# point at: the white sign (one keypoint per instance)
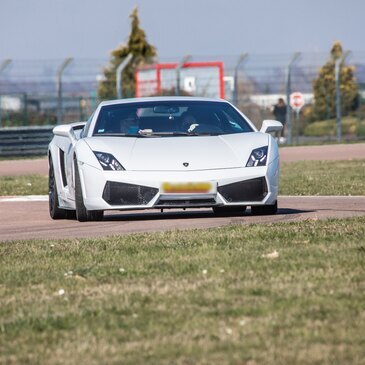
(229, 82)
(296, 101)
(189, 84)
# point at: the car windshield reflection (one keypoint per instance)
(170, 119)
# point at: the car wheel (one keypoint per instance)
(54, 211)
(224, 211)
(265, 209)
(82, 214)
(71, 214)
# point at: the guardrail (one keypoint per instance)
(25, 141)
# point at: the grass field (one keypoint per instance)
(289, 293)
(297, 178)
(323, 178)
(23, 185)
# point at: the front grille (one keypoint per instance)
(186, 203)
(248, 190)
(116, 193)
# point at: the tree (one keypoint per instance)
(143, 53)
(324, 87)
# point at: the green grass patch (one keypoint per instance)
(323, 178)
(24, 185)
(297, 178)
(193, 297)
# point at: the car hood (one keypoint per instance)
(180, 153)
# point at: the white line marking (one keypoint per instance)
(25, 198)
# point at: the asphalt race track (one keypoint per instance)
(28, 218)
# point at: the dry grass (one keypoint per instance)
(23, 185)
(196, 297)
(323, 178)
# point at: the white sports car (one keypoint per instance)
(163, 152)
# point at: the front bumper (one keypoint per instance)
(125, 190)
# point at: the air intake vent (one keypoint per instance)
(116, 193)
(253, 190)
(62, 166)
(185, 203)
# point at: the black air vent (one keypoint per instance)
(62, 166)
(253, 190)
(185, 203)
(116, 193)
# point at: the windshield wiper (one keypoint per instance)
(118, 135)
(150, 133)
(185, 134)
(157, 134)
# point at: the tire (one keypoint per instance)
(265, 209)
(226, 211)
(54, 211)
(71, 214)
(82, 214)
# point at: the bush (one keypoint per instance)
(16, 119)
(360, 130)
(350, 126)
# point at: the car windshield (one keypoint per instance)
(169, 119)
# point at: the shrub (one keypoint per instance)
(350, 126)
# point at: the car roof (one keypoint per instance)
(159, 98)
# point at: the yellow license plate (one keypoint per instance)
(187, 188)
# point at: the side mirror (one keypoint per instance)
(271, 126)
(65, 130)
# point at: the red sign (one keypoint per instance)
(296, 101)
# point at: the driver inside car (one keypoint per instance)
(189, 122)
(129, 125)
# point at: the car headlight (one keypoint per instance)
(258, 157)
(108, 161)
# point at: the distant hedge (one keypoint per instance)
(350, 126)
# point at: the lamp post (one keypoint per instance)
(178, 72)
(294, 58)
(241, 59)
(119, 71)
(3, 66)
(338, 63)
(60, 71)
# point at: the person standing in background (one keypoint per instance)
(280, 115)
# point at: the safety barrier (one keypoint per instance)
(25, 141)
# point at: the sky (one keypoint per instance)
(54, 29)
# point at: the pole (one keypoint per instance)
(119, 71)
(297, 125)
(288, 92)
(338, 99)
(60, 71)
(242, 58)
(3, 66)
(338, 63)
(178, 72)
(25, 101)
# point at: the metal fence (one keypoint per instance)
(35, 92)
